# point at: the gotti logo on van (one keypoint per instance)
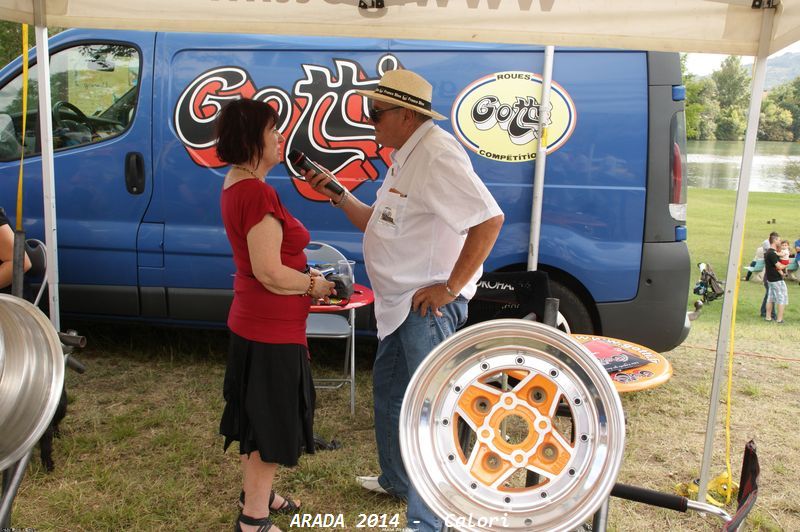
(497, 116)
(321, 115)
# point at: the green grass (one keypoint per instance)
(140, 449)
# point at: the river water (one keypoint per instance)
(716, 164)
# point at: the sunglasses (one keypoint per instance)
(375, 114)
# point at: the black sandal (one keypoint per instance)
(288, 506)
(264, 524)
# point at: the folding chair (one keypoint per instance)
(332, 325)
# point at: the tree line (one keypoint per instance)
(717, 105)
(11, 41)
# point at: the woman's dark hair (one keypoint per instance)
(240, 130)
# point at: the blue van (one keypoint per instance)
(137, 181)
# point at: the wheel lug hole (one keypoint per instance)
(457, 389)
(473, 485)
(538, 395)
(520, 360)
(577, 401)
(451, 457)
(481, 405)
(445, 422)
(554, 373)
(549, 452)
(484, 366)
(492, 462)
(507, 500)
(584, 437)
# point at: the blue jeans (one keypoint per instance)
(398, 356)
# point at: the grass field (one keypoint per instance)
(140, 449)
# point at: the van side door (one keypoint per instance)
(101, 95)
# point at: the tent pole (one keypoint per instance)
(48, 172)
(541, 157)
(737, 234)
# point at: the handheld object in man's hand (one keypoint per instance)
(302, 162)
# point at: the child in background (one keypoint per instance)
(784, 253)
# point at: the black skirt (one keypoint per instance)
(269, 400)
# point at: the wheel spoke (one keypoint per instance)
(476, 402)
(540, 392)
(489, 467)
(551, 456)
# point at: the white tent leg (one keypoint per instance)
(734, 258)
(48, 173)
(541, 157)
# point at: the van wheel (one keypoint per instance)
(572, 308)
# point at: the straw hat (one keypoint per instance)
(406, 89)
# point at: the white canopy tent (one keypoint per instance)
(739, 27)
(731, 27)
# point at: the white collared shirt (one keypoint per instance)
(427, 203)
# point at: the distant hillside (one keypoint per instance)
(779, 69)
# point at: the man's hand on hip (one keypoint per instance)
(430, 298)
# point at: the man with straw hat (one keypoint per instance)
(432, 225)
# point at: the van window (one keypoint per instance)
(93, 97)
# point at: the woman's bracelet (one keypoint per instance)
(341, 201)
(310, 286)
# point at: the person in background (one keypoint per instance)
(7, 254)
(797, 247)
(784, 253)
(759, 256)
(766, 245)
(778, 295)
(268, 390)
(432, 225)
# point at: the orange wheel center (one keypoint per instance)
(532, 434)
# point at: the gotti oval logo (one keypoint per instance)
(497, 116)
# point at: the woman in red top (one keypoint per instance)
(269, 394)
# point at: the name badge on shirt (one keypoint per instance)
(390, 212)
(387, 215)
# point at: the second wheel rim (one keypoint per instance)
(512, 424)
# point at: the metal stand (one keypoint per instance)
(12, 478)
(600, 519)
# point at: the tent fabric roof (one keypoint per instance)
(710, 26)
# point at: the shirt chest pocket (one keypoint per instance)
(390, 214)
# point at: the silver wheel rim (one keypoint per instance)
(505, 380)
(31, 376)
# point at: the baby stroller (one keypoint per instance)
(709, 287)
